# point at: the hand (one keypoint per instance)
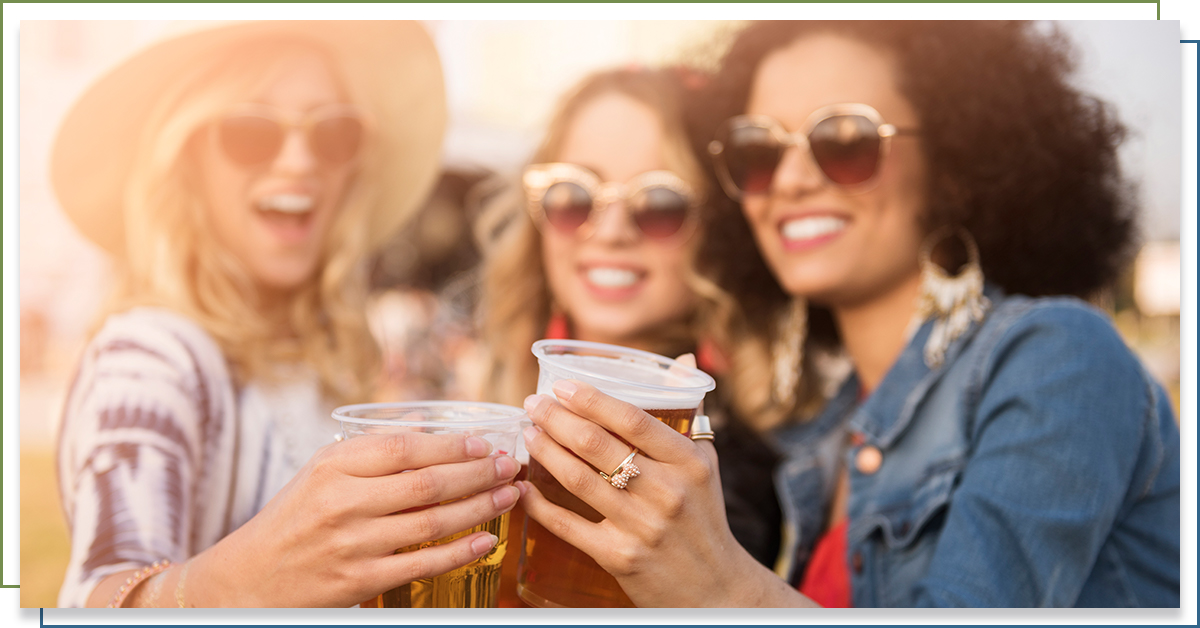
(328, 538)
(665, 537)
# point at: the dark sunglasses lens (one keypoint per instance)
(846, 148)
(751, 155)
(249, 140)
(659, 212)
(567, 206)
(336, 140)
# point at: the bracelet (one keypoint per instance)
(159, 566)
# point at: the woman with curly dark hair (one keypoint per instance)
(934, 196)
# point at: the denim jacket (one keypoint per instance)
(1038, 466)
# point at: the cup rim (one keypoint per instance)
(709, 382)
(512, 414)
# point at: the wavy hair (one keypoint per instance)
(516, 303)
(173, 259)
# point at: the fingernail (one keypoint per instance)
(506, 496)
(506, 466)
(477, 447)
(565, 389)
(532, 432)
(532, 402)
(484, 543)
(523, 487)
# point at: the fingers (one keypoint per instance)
(373, 455)
(433, 561)
(585, 439)
(438, 522)
(437, 484)
(575, 475)
(590, 538)
(653, 437)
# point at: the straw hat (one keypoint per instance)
(395, 62)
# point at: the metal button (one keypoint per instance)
(857, 438)
(856, 562)
(868, 460)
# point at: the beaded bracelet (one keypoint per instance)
(136, 579)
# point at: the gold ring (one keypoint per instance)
(701, 428)
(624, 472)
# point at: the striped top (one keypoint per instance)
(161, 455)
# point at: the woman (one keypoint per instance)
(997, 444)
(196, 459)
(601, 244)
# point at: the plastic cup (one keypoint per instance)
(477, 584)
(552, 572)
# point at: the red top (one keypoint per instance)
(827, 577)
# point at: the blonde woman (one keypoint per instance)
(602, 242)
(239, 175)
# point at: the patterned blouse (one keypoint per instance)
(161, 455)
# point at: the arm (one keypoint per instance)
(664, 537)
(327, 538)
(1056, 437)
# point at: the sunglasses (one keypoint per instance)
(253, 135)
(846, 143)
(570, 198)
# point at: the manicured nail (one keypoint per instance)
(532, 402)
(565, 389)
(478, 447)
(506, 466)
(506, 496)
(484, 543)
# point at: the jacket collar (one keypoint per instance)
(890, 408)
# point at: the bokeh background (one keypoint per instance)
(503, 79)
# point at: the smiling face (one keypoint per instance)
(616, 286)
(833, 247)
(274, 216)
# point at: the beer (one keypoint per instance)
(508, 567)
(553, 573)
(476, 585)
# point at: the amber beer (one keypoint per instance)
(555, 574)
(476, 585)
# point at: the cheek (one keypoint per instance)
(559, 263)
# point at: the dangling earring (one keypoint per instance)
(788, 350)
(953, 301)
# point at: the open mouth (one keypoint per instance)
(610, 277)
(289, 216)
(295, 204)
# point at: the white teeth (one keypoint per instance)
(612, 277)
(287, 203)
(813, 227)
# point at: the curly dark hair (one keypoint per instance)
(1017, 155)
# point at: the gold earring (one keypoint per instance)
(788, 350)
(953, 301)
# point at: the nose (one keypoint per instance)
(796, 175)
(295, 156)
(614, 225)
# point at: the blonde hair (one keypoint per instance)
(173, 259)
(516, 303)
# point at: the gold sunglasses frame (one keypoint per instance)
(799, 139)
(538, 178)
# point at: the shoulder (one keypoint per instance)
(1055, 330)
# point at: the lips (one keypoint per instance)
(811, 230)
